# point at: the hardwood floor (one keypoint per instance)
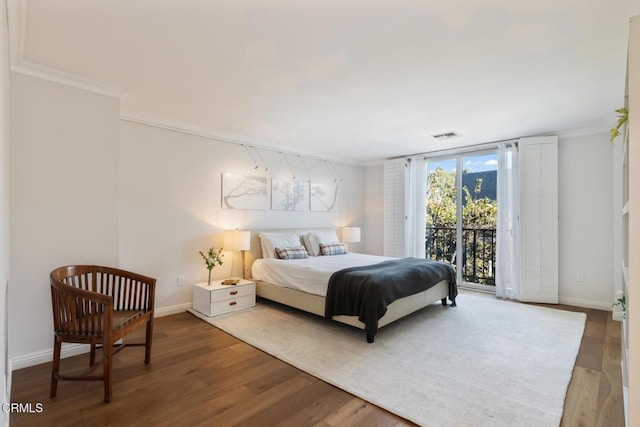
(200, 375)
(594, 397)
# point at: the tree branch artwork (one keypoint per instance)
(244, 192)
(289, 195)
(323, 197)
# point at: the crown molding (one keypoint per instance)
(17, 18)
(203, 132)
(62, 77)
(599, 126)
(374, 163)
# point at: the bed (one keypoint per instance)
(304, 283)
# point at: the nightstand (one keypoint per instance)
(218, 298)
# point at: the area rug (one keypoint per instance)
(484, 363)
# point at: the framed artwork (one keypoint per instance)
(289, 195)
(322, 197)
(244, 192)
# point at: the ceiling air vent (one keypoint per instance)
(445, 135)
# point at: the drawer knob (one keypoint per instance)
(233, 292)
(232, 303)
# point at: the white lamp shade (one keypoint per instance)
(237, 240)
(351, 234)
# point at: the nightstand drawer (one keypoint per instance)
(233, 304)
(233, 292)
(215, 298)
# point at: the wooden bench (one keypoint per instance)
(98, 306)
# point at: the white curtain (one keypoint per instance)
(416, 209)
(507, 235)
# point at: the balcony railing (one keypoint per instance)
(478, 251)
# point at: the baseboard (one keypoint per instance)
(69, 350)
(9, 377)
(577, 302)
(44, 356)
(173, 309)
(4, 398)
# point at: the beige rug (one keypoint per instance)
(484, 363)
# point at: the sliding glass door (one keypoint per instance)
(461, 215)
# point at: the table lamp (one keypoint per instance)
(351, 234)
(237, 240)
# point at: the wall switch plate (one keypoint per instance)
(180, 280)
(580, 277)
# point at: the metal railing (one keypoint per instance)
(478, 251)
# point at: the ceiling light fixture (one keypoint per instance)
(305, 168)
(293, 175)
(252, 157)
(266, 168)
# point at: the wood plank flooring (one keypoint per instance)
(200, 375)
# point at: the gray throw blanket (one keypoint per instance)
(366, 291)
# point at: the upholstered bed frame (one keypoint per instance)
(315, 304)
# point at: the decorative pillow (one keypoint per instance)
(312, 240)
(270, 241)
(295, 252)
(333, 249)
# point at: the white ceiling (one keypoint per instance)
(357, 80)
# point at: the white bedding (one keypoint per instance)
(309, 274)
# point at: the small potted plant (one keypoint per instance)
(211, 258)
(621, 301)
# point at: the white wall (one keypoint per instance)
(5, 370)
(585, 219)
(64, 197)
(170, 204)
(374, 210)
(616, 208)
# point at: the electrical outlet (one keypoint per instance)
(180, 280)
(580, 277)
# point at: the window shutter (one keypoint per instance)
(395, 183)
(539, 219)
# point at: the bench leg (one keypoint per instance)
(107, 356)
(55, 367)
(147, 347)
(92, 355)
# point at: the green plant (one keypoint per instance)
(211, 259)
(622, 303)
(623, 116)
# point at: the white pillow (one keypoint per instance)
(270, 241)
(312, 240)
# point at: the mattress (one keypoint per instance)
(311, 274)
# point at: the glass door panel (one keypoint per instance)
(441, 220)
(479, 215)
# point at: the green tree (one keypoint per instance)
(441, 199)
(477, 212)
